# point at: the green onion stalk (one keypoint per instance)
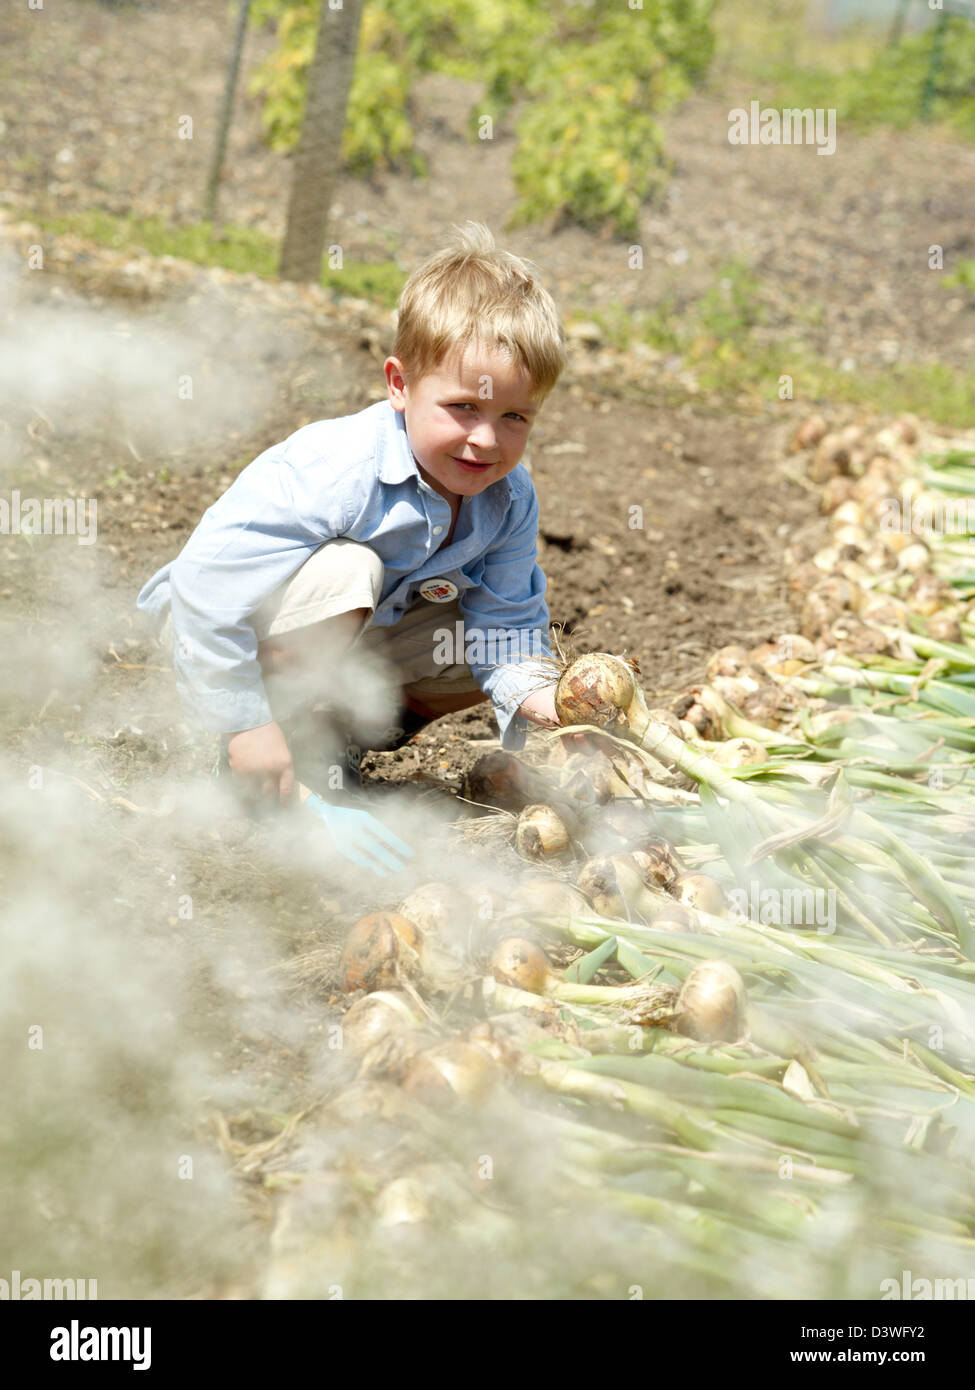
(599, 692)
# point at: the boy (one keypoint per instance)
(384, 535)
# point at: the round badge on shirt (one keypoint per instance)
(438, 590)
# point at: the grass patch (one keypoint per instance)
(241, 249)
(774, 54)
(719, 339)
(963, 277)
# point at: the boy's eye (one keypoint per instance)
(469, 405)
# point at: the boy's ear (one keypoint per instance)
(395, 382)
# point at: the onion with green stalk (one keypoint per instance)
(520, 963)
(600, 690)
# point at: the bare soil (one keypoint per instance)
(664, 516)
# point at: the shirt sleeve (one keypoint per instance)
(506, 624)
(253, 538)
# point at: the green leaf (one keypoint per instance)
(581, 972)
(634, 962)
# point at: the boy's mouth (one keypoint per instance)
(472, 465)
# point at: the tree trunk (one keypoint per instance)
(317, 159)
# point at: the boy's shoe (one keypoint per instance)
(325, 757)
(406, 725)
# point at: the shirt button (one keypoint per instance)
(437, 530)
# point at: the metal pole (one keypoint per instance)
(897, 28)
(934, 65)
(220, 148)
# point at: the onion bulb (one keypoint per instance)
(827, 559)
(944, 626)
(836, 491)
(700, 707)
(437, 910)
(897, 540)
(735, 689)
(853, 638)
(673, 917)
(384, 1014)
(547, 897)
(666, 716)
(928, 594)
(541, 834)
(657, 863)
(601, 689)
(801, 578)
(404, 1201)
(615, 887)
(914, 558)
(774, 706)
(848, 513)
(700, 891)
(854, 536)
(884, 608)
(519, 961)
(810, 432)
(380, 950)
(712, 1003)
(786, 656)
(740, 752)
(728, 661)
(456, 1069)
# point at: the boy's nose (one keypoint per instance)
(483, 436)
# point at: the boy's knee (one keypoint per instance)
(304, 645)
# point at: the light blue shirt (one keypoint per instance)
(355, 476)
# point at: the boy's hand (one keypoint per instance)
(539, 707)
(261, 757)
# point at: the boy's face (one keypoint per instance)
(467, 421)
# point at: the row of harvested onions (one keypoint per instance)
(670, 1097)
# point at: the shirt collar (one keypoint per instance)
(396, 463)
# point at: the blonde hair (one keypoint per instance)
(474, 292)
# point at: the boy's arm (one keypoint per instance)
(506, 628)
(254, 538)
